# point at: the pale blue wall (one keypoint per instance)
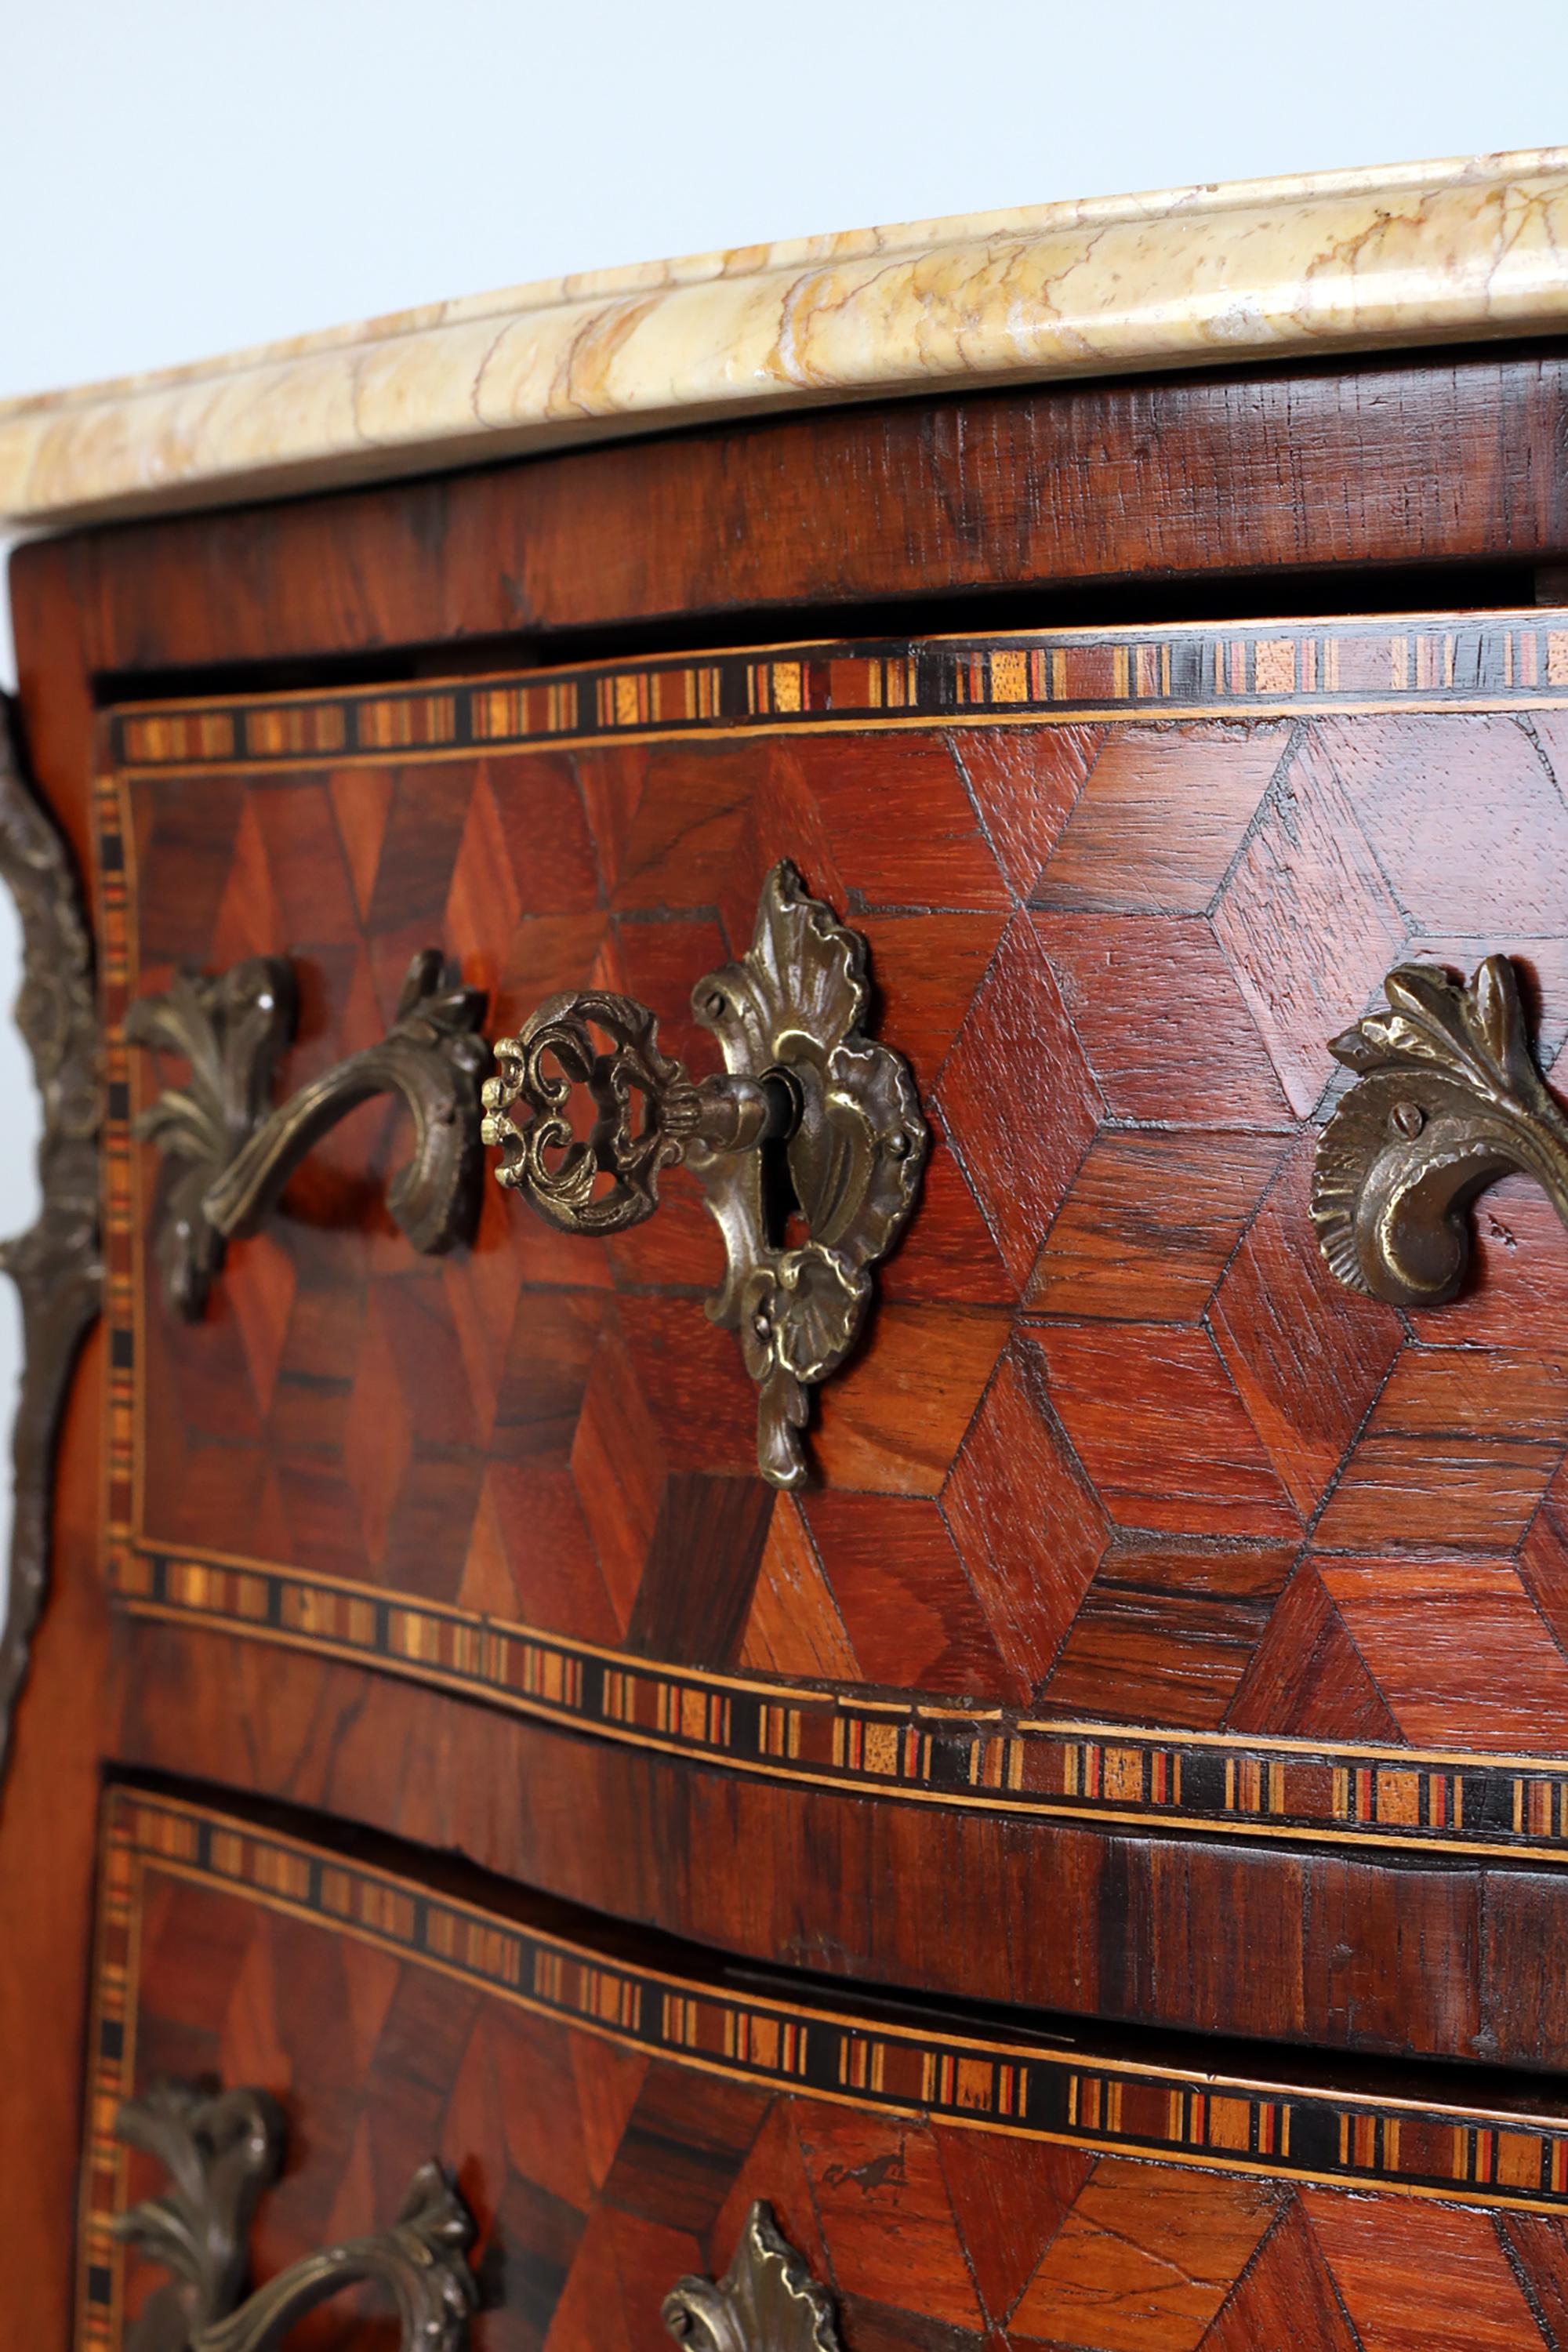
(179, 176)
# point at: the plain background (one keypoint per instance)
(178, 177)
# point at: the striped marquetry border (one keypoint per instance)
(942, 1755)
(1336, 1792)
(112, 2060)
(1461, 661)
(978, 2080)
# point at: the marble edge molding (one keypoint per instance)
(1417, 254)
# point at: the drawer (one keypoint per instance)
(611, 2110)
(1127, 1513)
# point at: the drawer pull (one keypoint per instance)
(767, 2300)
(1448, 1098)
(221, 2151)
(813, 1125)
(232, 1155)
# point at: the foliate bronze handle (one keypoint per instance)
(221, 2150)
(812, 1120)
(231, 1155)
(1448, 1098)
(767, 2300)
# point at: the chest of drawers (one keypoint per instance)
(933, 1711)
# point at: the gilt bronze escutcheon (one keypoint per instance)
(814, 1129)
(1448, 1098)
(231, 1155)
(767, 2300)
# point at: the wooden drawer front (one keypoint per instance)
(1128, 1509)
(610, 2114)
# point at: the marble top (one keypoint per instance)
(1254, 271)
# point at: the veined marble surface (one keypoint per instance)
(1339, 261)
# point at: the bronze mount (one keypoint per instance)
(230, 1155)
(767, 2300)
(812, 1120)
(1448, 1098)
(221, 2150)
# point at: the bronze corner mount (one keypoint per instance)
(231, 1156)
(57, 1266)
(809, 1147)
(1447, 1097)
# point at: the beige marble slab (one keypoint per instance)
(1424, 253)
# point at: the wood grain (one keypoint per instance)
(1387, 483)
(603, 2155)
(1349, 1951)
(1153, 480)
(1108, 1325)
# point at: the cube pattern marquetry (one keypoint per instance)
(1117, 1448)
(610, 2115)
